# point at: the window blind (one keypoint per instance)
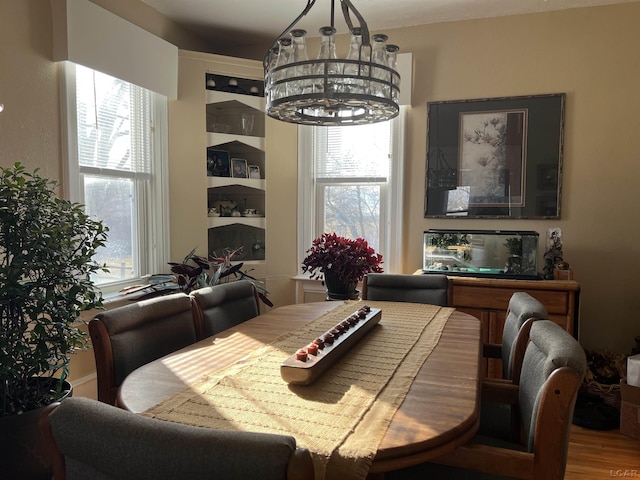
(354, 152)
(110, 140)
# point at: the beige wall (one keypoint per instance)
(591, 54)
(30, 127)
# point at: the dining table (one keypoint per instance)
(437, 411)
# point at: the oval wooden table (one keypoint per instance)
(439, 413)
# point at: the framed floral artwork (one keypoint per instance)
(495, 157)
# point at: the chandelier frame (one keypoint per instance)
(331, 104)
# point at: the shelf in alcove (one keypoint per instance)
(224, 238)
(216, 139)
(256, 103)
(214, 182)
(257, 222)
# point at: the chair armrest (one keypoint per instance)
(492, 350)
(300, 465)
(499, 391)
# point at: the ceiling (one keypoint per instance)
(250, 22)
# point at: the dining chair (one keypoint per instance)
(222, 306)
(553, 368)
(430, 288)
(89, 439)
(126, 337)
(521, 308)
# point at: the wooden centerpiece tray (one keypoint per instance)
(311, 361)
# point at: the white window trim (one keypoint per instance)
(157, 243)
(392, 250)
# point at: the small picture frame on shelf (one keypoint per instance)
(218, 164)
(254, 172)
(238, 168)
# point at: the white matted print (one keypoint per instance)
(254, 172)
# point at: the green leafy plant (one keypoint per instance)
(46, 249)
(347, 259)
(444, 240)
(514, 246)
(196, 272)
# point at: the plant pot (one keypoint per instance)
(24, 455)
(339, 290)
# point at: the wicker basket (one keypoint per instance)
(605, 365)
(610, 394)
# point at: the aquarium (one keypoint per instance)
(482, 253)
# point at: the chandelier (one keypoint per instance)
(360, 89)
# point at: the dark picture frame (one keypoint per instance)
(495, 157)
(218, 163)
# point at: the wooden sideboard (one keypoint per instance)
(488, 299)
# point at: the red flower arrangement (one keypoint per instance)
(349, 260)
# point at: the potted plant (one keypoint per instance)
(47, 246)
(198, 272)
(341, 263)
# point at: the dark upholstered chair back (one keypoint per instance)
(427, 288)
(550, 350)
(127, 337)
(553, 368)
(222, 306)
(92, 440)
(522, 307)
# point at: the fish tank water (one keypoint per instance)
(482, 253)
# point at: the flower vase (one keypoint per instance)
(339, 290)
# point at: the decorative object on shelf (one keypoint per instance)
(553, 254)
(47, 250)
(360, 89)
(225, 208)
(341, 263)
(242, 86)
(246, 123)
(493, 148)
(218, 164)
(238, 168)
(198, 272)
(252, 212)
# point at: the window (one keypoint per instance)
(117, 169)
(350, 183)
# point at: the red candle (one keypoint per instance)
(312, 349)
(301, 355)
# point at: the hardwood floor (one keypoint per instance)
(600, 454)
(592, 455)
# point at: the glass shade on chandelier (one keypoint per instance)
(361, 88)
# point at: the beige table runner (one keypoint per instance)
(337, 417)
